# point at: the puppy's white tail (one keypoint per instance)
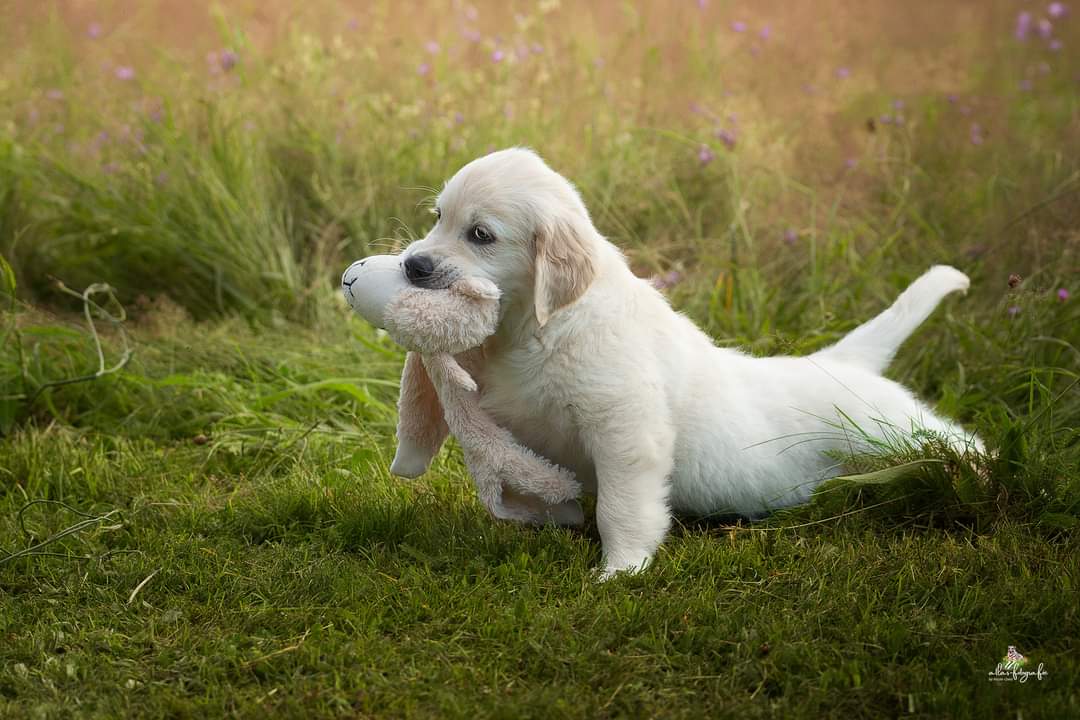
(873, 344)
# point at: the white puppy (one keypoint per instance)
(591, 368)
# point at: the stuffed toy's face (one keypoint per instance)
(449, 320)
(370, 284)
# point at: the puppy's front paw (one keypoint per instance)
(410, 460)
(613, 567)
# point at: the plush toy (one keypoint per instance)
(438, 395)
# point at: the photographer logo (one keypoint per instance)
(1011, 668)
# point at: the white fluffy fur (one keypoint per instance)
(591, 368)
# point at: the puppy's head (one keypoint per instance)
(509, 218)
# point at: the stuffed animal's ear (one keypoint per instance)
(446, 373)
(421, 425)
(565, 263)
(478, 287)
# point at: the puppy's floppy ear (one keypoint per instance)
(565, 263)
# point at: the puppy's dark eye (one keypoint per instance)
(481, 236)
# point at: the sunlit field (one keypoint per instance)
(196, 512)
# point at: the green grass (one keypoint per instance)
(291, 572)
(212, 529)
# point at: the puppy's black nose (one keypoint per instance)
(418, 268)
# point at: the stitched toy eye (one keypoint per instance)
(438, 213)
(481, 236)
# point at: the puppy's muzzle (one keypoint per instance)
(419, 269)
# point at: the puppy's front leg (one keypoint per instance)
(633, 470)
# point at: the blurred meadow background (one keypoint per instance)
(196, 515)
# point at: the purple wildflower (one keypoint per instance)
(790, 236)
(1046, 28)
(843, 72)
(738, 26)
(353, 24)
(54, 94)
(702, 4)
(1025, 84)
(432, 47)
(705, 155)
(1054, 45)
(726, 136)
(1023, 26)
(93, 30)
(498, 56)
(536, 48)
(1014, 310)
(976, 134)
(471, 34)
(951, 98)
(898, 104)
(471, 13)
(228, 60)
(1062, 294)
(885, 119)
(458, 118)
(1057, 10)
(424, 68)
(851, 163)
(668, 279)
(125, 72)
(765, 33)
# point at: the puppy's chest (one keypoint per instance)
(535, 407)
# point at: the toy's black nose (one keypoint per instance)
(418, 268)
